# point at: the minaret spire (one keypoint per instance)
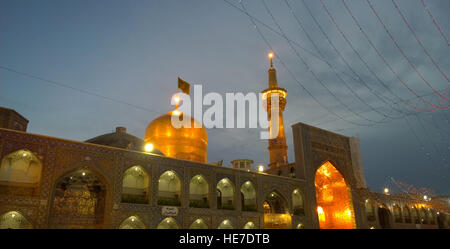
(272, 73)
(277, 145)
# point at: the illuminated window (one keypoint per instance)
(14, 220)
(397, 213)
(407, 214)
(432, 215)
(226, 224)
(424, 215)
(20, 173)
(135, 187)
(198, 192)
(225, 194)
(168, 223)
(276, 213)
(297, 202)
(249, 225)
(132, 222)
(248, 197)
(169, 189)
(370, 210)
(198, 224)
(415, 215)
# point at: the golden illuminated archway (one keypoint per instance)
(334, 204)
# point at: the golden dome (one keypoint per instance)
(183, 143)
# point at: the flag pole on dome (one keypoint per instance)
(184, 86)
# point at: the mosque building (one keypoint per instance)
(118, 180)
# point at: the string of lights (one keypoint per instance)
(320, 81)
(394, 104)
(419, 41)
(273, 30)
(378, 95)
(252, 20)
(427, 135)
(424, 194)
(357, 54)
(435, 22)
(420, 142)
(404, 54)
(391, 69)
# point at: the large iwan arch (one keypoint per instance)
(334, 202)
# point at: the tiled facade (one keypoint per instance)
(312, 148)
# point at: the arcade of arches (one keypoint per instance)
(334, 205)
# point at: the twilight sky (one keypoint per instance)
(133, 51)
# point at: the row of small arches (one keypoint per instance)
(135, 189)
(405, 214)
(15, 220)
(23, 168)
(134, 222)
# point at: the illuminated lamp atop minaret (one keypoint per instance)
(277, 143)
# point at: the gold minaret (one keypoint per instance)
(277, 146)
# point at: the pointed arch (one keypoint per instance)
(168, 223)
(14, 220)
(249, 225)
(276, 213)
(424, 215)
(415, 215)
(132, 222)
(432, 215)
(135, 185)
(225, 199)
(169, 189)
(20, 173)
(248, 197)
(298, 207)
(199, 192)
(78, 200)
(333, 196)
(407, 214)
(370, 210)
(398, 217)
(226, 224)
(198, 224)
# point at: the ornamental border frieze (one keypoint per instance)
(68, 159)
(19, 200)
(281, 188)
(39, 149)
(321, 136)
(179, 170)
(244, 179)
(328, 148)
(131, 207)
(130, 162)
(339, 162)
(200, 211)
(191, 172)
(222, 175)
